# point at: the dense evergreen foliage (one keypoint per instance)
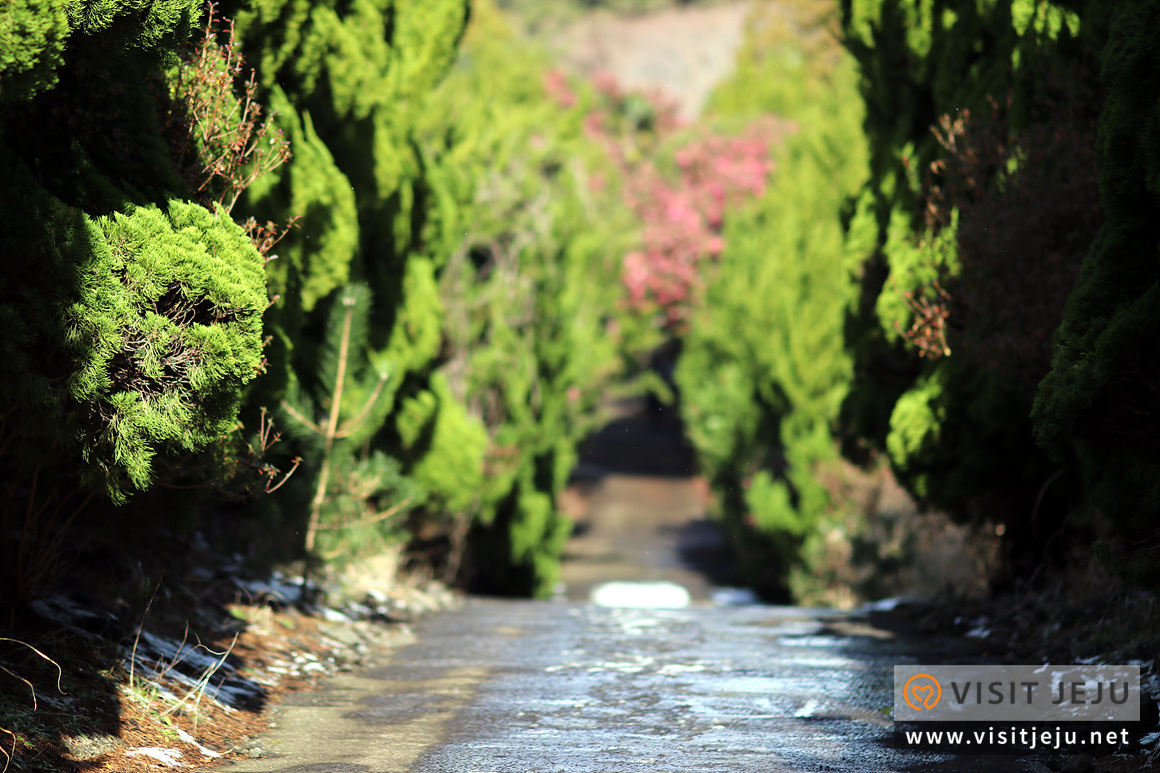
(979, 208)
(1099, 405)
(357, 326)
(445, 180)
(133, 315)
(530, 285)
(922, 341)
(764, 367)
(464, 249)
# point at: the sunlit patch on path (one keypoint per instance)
(640, 595)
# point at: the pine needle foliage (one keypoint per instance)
(136, 316)
(1098, 407)
(978, 209)
(336, 415)
(347, 82)
(33, 36)
(764, 367)
(530, 291)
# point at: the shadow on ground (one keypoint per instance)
(640, 509)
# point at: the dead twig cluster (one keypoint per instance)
(220, 142)
(928, 330)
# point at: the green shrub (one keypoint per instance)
(1098, 405)
(359, 494)
(155, 320)
(764, 368)
(33, 34)
(530, 289)
(347, 82)
(136, 316)
(977, 212)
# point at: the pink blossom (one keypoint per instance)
(683, 215)
(556, 86)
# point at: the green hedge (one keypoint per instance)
(1098, 407)
(764, 368)
(133, 315)
(1000, 96)
(445, 180)
(531, 285)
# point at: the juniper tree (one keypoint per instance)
(335, 415)
(394, 176)
(136, 316)
(970, 228)
(530, 283)
(348, 81)
(1098, 408)
(33, 36)
(133, 315)
(764, 368)
(131, 333)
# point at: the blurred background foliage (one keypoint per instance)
(764, 367)
(906, 244)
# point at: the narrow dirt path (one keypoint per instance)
(544, 687)
(640, 511)
(568, 685)
(511, 686)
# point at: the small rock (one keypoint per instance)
(87, 747)
(255, 753)
(334, 616)
(344, 634)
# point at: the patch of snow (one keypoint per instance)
(356, 611)
(170, 758)
(74, 616)
(886, 605)
(201, 573)
(734, 597)
(979, 629)
(273, 588)
(807, 710)
(640, 595)
(185, 665)
(190, 740)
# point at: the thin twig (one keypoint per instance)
(290, 409)
(363, 521)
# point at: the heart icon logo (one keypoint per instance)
(922, 691)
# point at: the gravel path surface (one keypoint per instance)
(544, 687)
